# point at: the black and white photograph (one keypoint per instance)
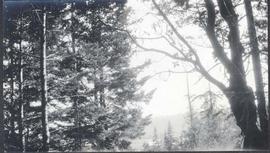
(134, 76)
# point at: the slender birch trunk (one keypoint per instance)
(44, 98)
(21, 107)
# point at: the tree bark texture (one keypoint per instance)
(257, 69)
(44, 98)
(21, 108)
(239, 94)
(244, 109)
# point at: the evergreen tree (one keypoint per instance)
(156, 141)
(97, 78)
(155, 144)
(212, 125)
(93, 93)
(170, 142)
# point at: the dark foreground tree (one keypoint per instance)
(257, 69)
(239, 94)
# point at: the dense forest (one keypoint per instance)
(67, 79)
(67, 82)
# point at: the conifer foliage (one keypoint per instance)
(68, 81)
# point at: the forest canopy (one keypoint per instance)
(68, 82)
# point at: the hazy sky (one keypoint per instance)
(170, 96)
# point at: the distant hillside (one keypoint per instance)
(161, 124)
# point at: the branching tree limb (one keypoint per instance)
(218, 49)
(239, 94)
(198, 65)
(134, 40)
(229, 15)
(242, 105)
(170, 72)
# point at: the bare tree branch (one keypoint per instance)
(200, 68)
(207, 71)
(149, 49)
(149, 38)
(170, 71)
(163, 52)
(197, 64)
(176, 48)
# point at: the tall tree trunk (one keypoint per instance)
(211, 99)
(95, 87)
(77, 141)
(99, 64)
(21, 108)
(239, 94)
(26, 135)
(257, 69)
(2, 135)
(189, 103)
(101, 86)
(44, 98)
(194, 141)
(244, 109)
(12, 111)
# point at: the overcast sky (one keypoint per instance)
(170, 97)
